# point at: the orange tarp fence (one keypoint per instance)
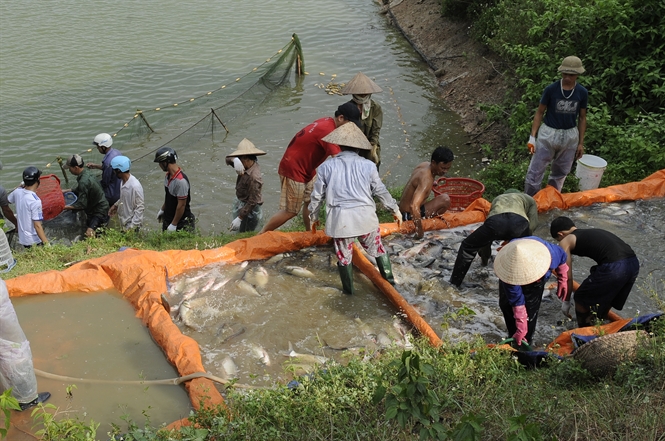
(140, 276)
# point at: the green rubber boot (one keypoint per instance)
(346, 274)
(383, 262)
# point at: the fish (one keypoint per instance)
(261, 354)
(235, 334)
(307, 358)
(257, 276)
(243, 285)
(219, 285)
(195, 278)
(299, 272)
(383, 340)
(365, 329)
(165, 303)
(186, 315)
(414, 251)
(208, 284)
(230, 367)
(274, 259)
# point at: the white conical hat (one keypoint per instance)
(348, 135)
(360, 84)
(247, 148)
(522, 261)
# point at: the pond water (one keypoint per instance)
(97, 337)
(85, 69)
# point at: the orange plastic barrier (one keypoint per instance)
(140, 276)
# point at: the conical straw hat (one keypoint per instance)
(348, 135)
(522, 261)
(361, 84)
(247, 148)
(602, 355)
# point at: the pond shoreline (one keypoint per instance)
(467, 72)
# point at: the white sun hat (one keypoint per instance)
(348, 135)
(522, 261)
(246, 147)
(360, 84)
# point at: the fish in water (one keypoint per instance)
(208, 284)
(414, 251)
(257, 276)
(366, 330)
(230, 367)
(274, 259)
(247, 287)
(165, 303)
(299, 272)
(383, 340)
(217, 286)
(306, 358)
(261, 354)
(186, 315)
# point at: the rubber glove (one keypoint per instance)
(160, 214)
(521, 321)
(397, 215)
(237, 164)
(315, 225)
(171, 228)
(562, 282)
(565, 306)
(531, 145)
(235, 224)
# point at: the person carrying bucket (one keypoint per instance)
(560, 137)
(247, 212)
(523, 267)
(348, 182)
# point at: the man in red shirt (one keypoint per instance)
(297, 169)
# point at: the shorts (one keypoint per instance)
(294, 194)
(406, 216)
(371, 242)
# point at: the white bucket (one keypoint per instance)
(590, 170)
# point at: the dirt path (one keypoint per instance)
(467, 72)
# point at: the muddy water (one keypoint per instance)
(97, 336)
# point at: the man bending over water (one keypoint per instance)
(417, 190)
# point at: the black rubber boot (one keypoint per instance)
(383, 262)
(346, 274)
(485, 253)
(41, 397)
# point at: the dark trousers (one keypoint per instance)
(533, 294)
(504, 226)
(607, 286)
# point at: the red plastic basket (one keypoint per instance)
(462, 191)
(50, 193)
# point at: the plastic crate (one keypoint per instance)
(462, 191)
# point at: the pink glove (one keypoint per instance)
(521, 319)
(562, 282)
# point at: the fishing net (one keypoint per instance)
(210, 116)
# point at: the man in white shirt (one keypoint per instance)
(29, 210)
(348, 183)
(131, 204)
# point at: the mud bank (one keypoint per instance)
(468, 73)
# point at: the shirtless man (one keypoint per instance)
(412, 204)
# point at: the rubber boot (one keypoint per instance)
(485, 253)
(346, 274)
(383, 262)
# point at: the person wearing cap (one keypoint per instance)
(29, 210)
(131, 204)
(348, 183)
(297, 169)
(16, 369)
(523, 267)
(110, 181)
(560, 137)
(418, 188)
(361, 88)
(5, 209)
(512, 214)
(610, 280)
(175, 214)
(247, 212)
(89, 196)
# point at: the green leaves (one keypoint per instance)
(7, 403)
